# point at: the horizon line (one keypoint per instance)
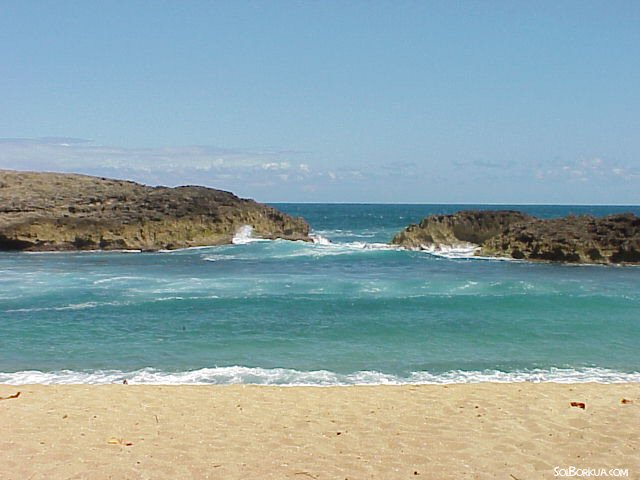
(149, 184)
(533, 204)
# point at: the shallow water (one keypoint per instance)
(351, 311)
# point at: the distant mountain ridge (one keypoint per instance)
(612, 239)
(59, 211)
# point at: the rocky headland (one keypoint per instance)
(614, 239)
(55, 211)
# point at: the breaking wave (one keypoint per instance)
(465, 251)
(290, 377)
(319, 239)
(244, 235)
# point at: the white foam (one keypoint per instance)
(319, 239)
(72, 306)
(117, 279)
(244, 235)
(321, 247)
(370, 246)
(459, 250)
(218, 257)
(331, 249)
(463, 250)
(290, 377)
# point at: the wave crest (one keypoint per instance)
(290, 377)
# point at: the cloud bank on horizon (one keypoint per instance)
(287, 175)
(250, 171)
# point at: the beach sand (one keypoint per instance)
(510, 431)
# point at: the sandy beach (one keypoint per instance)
(512, 431)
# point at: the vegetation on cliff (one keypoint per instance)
(54, 211)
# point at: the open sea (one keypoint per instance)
(348, 309)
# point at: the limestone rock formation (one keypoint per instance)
(54, 211)
(573, 239)
(468, 226)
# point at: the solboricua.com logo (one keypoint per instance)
(573, 471)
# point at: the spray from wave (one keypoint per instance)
(244, 235)
(319, 239)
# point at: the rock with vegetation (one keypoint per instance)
(54, 211)
(614, 239)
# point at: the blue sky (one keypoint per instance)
(496, 102)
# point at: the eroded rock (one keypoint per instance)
(54, 211)
(504, 233)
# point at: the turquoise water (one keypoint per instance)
(352, 311)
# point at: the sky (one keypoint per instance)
(330, 101)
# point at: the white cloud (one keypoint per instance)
(279, 174)
(584, 170)
(251, 172)
(55, 154)
(276, 166)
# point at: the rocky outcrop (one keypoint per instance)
(464, 227)
(576, 239)
(53, 211)
(573, 239)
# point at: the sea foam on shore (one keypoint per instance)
(290, 377)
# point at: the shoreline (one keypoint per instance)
(287, 377)
(482, 430)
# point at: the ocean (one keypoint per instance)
(348, 309)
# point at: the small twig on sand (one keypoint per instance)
(16, 395)
(513, 476)
(305, 473)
